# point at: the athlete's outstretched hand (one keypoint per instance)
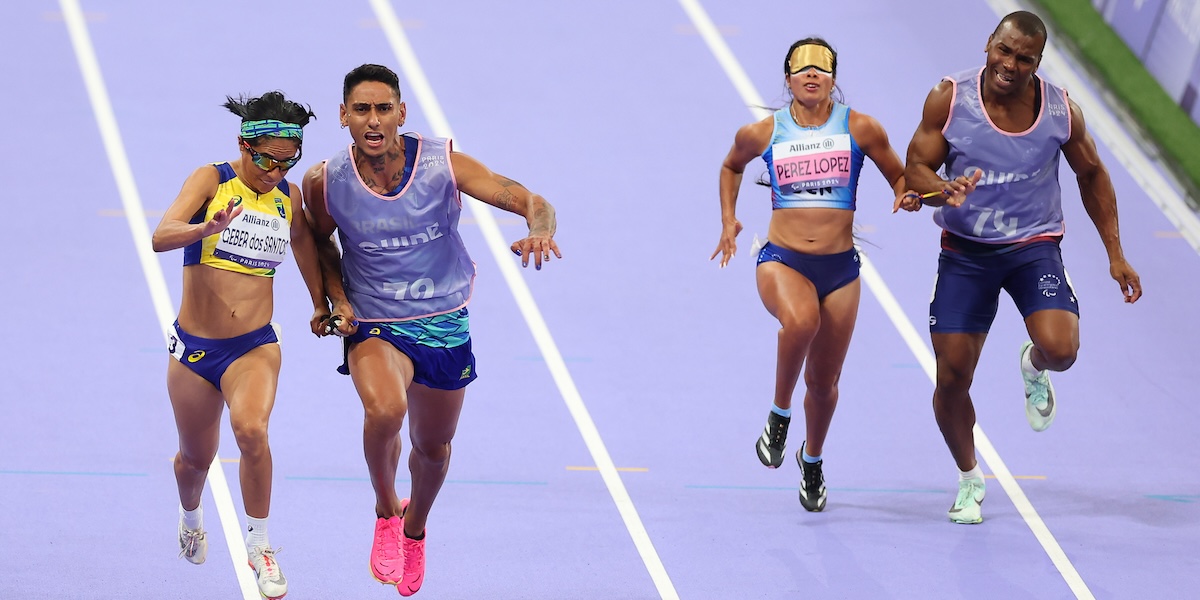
(727, 247)
(223, 218)
(537, 246)
(1131, 284)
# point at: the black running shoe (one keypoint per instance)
(773, 440)
(812, 483)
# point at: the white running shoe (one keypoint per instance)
(192, 544)
(271, 583)
(966, 507)
(1039, 395)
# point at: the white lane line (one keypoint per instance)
(89, 66)
(1108, 129)
(875, 283)
(499, 247)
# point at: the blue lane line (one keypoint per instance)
(832, 489)
(570, 359)
(483, 482)
(454, 481)
(1183, 498)
(83, 473)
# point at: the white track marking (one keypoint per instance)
(432, 110)
(89, 66)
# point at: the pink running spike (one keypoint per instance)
(387, 557)
(414, 566)
(414, 559)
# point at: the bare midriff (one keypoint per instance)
(219, 304)
(812, 230)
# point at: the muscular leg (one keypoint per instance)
(1055, 335)
(827, 354)
(433, 419)
(791, 298)
(957, 355)
(249, 385)
(382, 375)
(197, 406)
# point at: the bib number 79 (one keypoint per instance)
(416, 290)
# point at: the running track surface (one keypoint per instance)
(619, 114)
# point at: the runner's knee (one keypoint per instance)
(1058, 356)
(251, 435)
(436, 452)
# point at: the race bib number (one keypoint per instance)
(812, 163)
(255, 240)
(175, 345)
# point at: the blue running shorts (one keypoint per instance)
(827, 272)
(211, 358)
(439, 347)
(971, 275)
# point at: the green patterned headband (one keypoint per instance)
(271, 128)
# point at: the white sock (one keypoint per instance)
(974, 473)
(1027, 363)
(256, 533)
(192, 519)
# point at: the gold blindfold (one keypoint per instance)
(811, 55)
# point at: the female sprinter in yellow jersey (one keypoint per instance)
(236, 222)
(808, 270)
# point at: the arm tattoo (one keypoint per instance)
(504, 200)
(542, 221)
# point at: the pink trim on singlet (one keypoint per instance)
(1067, 101)
(450, 167)
(1036, 122)
(1062, 231)
(324, 186)
(392, 197)
(470, 292)
(953, 97)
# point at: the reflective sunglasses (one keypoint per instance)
(268, 163)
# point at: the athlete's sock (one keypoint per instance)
(256, 533)
(783, 412)
(415, 537)
(812, 460)
(192, 519)
(1027, 363)
(975, 473)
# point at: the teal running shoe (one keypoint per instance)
(967, 504)
(1039, 395)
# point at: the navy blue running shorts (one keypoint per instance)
(971, 275)
(440, 361)
(827, 272)
(211, 358)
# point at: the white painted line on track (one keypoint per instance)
(908, 332)
(423, 92)
(1106, 127)
(110, 133)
